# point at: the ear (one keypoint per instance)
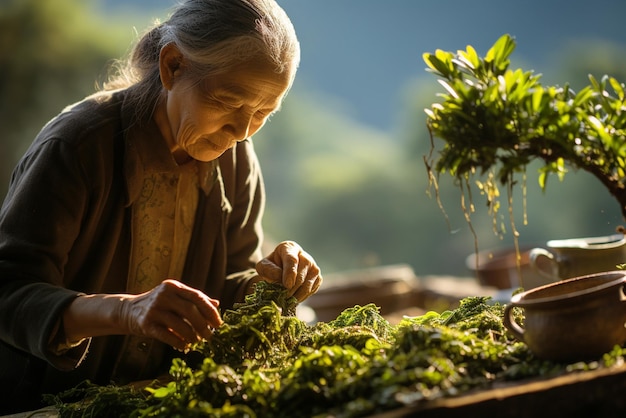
(170, 65)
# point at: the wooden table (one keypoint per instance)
(590, 394)
(48, 412)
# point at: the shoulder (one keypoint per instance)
(78, 143)
(81, 134)
(95, 117)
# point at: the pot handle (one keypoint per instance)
(544, 263)
(509, 322)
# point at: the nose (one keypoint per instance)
(240, 126)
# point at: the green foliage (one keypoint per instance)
(89, 399)
(352, 366)
(495, 120)
(262, 329)
(364, 316)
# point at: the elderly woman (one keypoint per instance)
(135, 215)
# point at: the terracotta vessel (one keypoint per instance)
(504, 268)
(574, 319)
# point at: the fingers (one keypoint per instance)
(309, 286)
(172, 330)
(175, 314)
(197, 308)
(308, 280)
(290, 265)
(284, 264)
(293, 263)
(269, 271)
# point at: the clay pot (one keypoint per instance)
(500, 268)
(572, 320)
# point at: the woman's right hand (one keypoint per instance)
(172, 312)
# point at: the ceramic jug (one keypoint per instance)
(567, 258)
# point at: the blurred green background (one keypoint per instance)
(343, 160)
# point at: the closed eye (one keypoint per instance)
(264, 114)
(228, 106)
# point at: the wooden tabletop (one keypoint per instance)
(588, 394)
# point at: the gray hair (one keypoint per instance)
(214, 36)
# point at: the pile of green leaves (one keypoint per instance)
(495, 120)
(264, 362)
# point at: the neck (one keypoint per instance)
(181, 157)
(160, 118)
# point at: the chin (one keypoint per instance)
(208, 150)
(208, 155)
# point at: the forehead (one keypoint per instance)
(252, 80)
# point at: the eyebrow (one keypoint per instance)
(235, 91)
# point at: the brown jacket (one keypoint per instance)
(64, 229)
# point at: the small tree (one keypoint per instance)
(494, 121)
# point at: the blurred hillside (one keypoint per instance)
(343, 160)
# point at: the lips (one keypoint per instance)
(214, 144)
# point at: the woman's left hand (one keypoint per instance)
(293, 267)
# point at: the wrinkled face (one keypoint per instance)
(203, 120)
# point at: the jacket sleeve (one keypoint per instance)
(245, 190)
(39, 221)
